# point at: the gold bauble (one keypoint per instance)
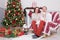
(18, 9)
(9, 11)
(6, 23)
(17, 6)
(16, 19)
(14, 14)
(13, 5)
(22, 18)
(14, 10)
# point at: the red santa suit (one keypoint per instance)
(37, 23)
(51, 22)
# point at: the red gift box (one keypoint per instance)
(20, 34)
(2, 35)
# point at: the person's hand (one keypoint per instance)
(37, 22)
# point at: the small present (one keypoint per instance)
(20, 33)
(2, 29)
(2, 35)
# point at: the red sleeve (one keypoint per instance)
(30, 14)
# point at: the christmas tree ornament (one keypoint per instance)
(14, 15)
(17, 3)
(17, 6)
(8, 31)
(14, 5)
(14, 10)
(11, 21)
(9, 11)
(6, 23)
(18, 9)
(16, 19)
(22, 18)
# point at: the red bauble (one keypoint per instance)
(6, 12)
(16, 13)
(13, 3)
(9, 32)
(14, 21)
(20, 7)
(20, 34)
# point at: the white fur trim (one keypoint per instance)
(54, 23)
(45, 28)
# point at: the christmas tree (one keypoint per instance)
(14, 15)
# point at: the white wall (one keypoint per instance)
(51, 4)
(3, 3)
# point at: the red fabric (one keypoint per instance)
(38, 30)
(53, 15)
(30, 13)
(57, 16)
(50, 24)
(41, 27)
(34, 26)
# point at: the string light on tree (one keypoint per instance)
(6, 23)
(16, 19)
(9, 11)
